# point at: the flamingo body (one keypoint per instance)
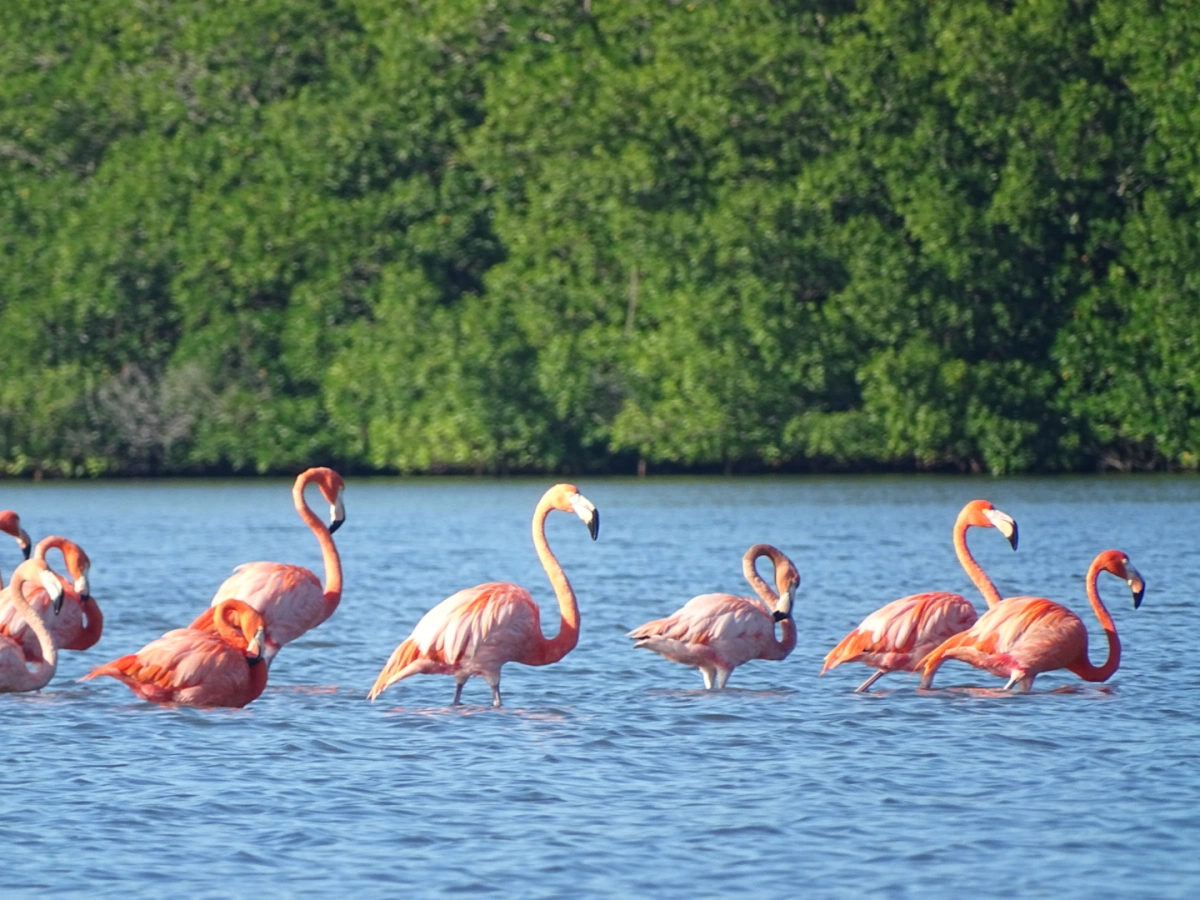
(896, 636)
(289, 598)
(478, 630)
(713, 632)
(217, 661)
(1025, 636)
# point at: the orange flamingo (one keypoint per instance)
(15, 674)
(10, 523)
(79, 623)
(716, 633)
(290, 598)
(896, 636)
(1025, 636)
(478, 630)
(218, 667)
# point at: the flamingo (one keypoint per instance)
(478, 630)
(896, 636)
(290, 598)
(716, 633)
(10, 523)
(15, 674)
(80, 621)
(218, 667)
(1025, 636)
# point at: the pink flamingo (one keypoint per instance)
(290, 598)
(896, 636)
(79, 623)
(15, 674)
(478, 630)
(1025, 636)
(219, 667)
(716, 633)
(10, 523)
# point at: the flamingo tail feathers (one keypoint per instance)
(404, 661)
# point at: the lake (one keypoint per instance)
(613, 772)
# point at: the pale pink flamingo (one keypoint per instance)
(478, 630)
(78, 624)
(15, 674)
(192, 667)
(1025, 636)
(716, 633)
(290, 598)
(896, 636)
(10, 523)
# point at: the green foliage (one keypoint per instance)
(498, 236)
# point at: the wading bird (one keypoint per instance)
(10, 523)
(895, 637)
(716, 633)
(15, 674)
(1025, 636)
(78, 624)
(478, 630)
(290, 598)
(193, 667)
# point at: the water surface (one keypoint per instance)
(612, 772)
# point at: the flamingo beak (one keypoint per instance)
(54, 588)
(337, 515)
(586, 510)
(785, 603)
(1003, 523)
(24, 542)
(82, 588)
(1137, 584)
(254, 650)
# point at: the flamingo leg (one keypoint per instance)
(496, 695)
(458, 686)
(708, 678)
(870, 681)
(722, 677)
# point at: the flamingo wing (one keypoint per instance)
(898, 634)
(289, 598)
(476, 631)
(708, 617)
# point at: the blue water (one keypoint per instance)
(612, 773)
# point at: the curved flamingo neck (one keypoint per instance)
(787, 627)
(93, 626)
(553, 649)
(229, 632)
(967, 561)
(52, 542)
(1084, 668)
(750, 570)
(329, 552)
(43, 671)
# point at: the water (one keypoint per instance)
(611, 772)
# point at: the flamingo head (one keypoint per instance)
(240, 624)
(331, 486)
(1118, 563)
(10, 523)
(566, 497)
(78, 565)
(982, 514)
(787, 582)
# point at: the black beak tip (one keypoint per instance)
(1137, 597)
(594, 525)
(335, 525)
(27, 550)
(58, 605)
(1013, 537)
